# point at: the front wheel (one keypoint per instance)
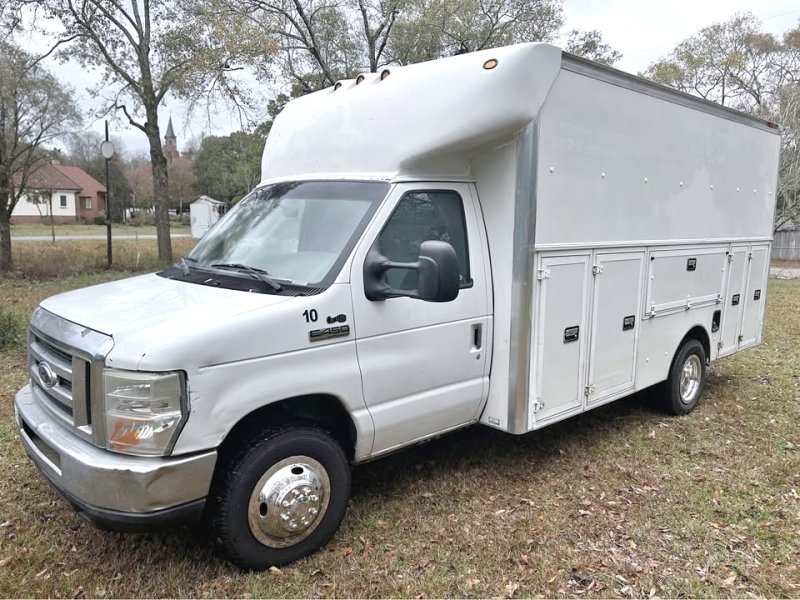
(687, 376)
(280, 498)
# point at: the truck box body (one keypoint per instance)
(576, 165)
(509, 237)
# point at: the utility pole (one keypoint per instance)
(107, 150)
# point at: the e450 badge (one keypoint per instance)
(317, 335)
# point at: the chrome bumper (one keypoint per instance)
(117, 487)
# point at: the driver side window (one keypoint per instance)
(421, 216)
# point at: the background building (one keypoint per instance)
(70, 194)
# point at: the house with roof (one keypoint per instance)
(69, 193)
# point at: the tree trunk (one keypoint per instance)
(160, 193)
(6, 260)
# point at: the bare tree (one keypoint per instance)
(147, 50)
(788, 114)
(322, 41)
(431, 29)
(35, 110)
(182, 178)
(590, 44)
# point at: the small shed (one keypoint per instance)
(204, 213)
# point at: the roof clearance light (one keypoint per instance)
(337, 85)
(773, 125)
(490, 64)
(359, 79)
(385, 73)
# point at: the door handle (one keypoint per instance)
(477, 336)
(571, 334)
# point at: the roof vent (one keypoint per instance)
(359, 79)
(385, 73)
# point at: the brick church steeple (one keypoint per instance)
(170, 143)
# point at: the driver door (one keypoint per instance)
(423, 364)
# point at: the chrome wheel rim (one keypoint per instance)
(289, 501)
(690, 378)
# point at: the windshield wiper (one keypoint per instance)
(185, 265)
(260, 274)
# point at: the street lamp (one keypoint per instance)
(107, 150)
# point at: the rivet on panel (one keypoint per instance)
(711, 187)
(754, 191)
(645, 179)
(681, 184)
(552, 169)
(603, 175)
(737, 190)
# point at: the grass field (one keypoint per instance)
(80, 229)
(620, 502)
(46, 260)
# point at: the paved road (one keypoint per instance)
(781, 273)
(91, 236)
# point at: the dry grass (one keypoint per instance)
(82, 229)
(785, 264)
(621, 502)
(43, 260)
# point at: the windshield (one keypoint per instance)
(298, 232)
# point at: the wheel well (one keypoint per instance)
(701, 335)
(322, 410)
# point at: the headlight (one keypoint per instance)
(144, 411)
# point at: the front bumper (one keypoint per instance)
(111, 490)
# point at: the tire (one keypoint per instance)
(248, 514)
(683, 388)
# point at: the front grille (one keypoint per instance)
(66, 363)
(67, 391)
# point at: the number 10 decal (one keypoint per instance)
(310, 315)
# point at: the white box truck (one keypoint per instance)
(509, 237)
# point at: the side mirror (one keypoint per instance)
(437, 274)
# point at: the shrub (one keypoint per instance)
(12, 329)
(142, 220)
(99, 220)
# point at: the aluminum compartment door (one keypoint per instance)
(733, 300)
(615, 323)
(754, 297)
(560, 334)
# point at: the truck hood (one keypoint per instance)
(139, 303)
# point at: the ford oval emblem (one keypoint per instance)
(47, 375)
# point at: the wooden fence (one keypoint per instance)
(786, 245)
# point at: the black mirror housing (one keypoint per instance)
(437, 274)
(437, 279)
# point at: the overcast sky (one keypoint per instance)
(643, 30)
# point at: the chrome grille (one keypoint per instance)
(44, 354)
(65, 363)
